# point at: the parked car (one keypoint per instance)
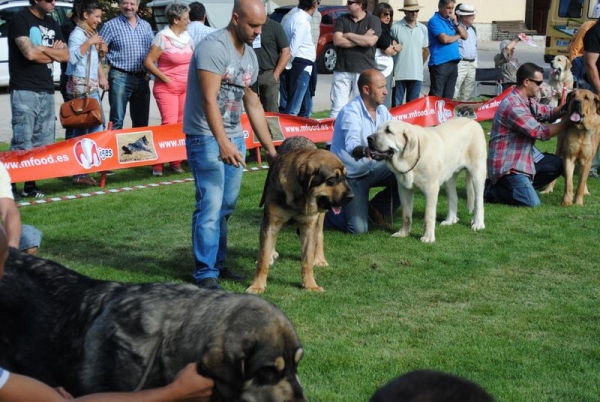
(326, 52)
(61, 13)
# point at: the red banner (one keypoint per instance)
(118, 149)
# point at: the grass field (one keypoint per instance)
(514, 307)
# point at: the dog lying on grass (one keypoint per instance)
(86, 335)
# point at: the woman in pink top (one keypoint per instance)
(169, 60)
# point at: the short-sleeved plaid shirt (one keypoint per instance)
(515, 128)
(127, 46)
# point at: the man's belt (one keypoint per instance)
(469, 60)
(139, 74)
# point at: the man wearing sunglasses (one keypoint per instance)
(516, 169)
(355, 35)
(35, 42)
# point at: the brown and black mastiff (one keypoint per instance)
(303, 183)
(88, 336)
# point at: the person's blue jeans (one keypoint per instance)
(354, 217)
(410, 88)
(443, 79)
(126, 88)
(296, 99)
(30, 237)
(217, 189)
(82, 131)
(33, 119)
(519, 189)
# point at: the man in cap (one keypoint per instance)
(444, 33)
(465, 82)
(408, 63)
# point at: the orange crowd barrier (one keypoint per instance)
(133, 147)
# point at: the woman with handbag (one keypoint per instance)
(169, 60)
(87, 74)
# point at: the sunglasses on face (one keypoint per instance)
(538, 83)
(351, 2)
(412, 11)
(386, 15)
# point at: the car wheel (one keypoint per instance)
(328, 59)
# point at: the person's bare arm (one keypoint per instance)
(211, 84)
(591, 70)
(187, 386)
(11, 218)
(340, 41)
(31, 52)
(150, 64)
(425, 54)
(284, 57)
(58, 52)
(366, 40)
(256, 115)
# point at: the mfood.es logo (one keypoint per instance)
(89, 154)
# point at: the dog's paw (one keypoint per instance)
(321, 262)
(477, 226)
(450, 221)
(428, 238)
(400, 233)
(255, 290)
(316, 288)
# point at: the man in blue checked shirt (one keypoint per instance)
(128, 38)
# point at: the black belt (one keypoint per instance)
(139, 74)
(469, 60)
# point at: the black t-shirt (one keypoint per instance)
(591, 42)
(24, 74)
(272, 40)
(356, 59)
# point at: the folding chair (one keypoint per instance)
(488, 77)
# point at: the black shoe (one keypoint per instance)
(224, 273)
(32, 193)
(209, 283)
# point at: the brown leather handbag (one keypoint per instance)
(82, 112)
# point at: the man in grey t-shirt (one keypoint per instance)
(222, 71)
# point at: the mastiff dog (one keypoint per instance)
(426, 158)
(578, 143)
(88, 336)
(302, 184)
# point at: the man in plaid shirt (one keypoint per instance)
(515, 168)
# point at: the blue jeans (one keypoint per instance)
(296, 99)
(33, 119)
(126, 88)
(354, 217)
(443, 79)
(30, 237)
(410, 88)
(82, 131)
(519, 189)
(217, 190)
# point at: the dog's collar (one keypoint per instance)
(418, 157)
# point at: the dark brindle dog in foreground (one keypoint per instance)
(88, 336)
(302, 184)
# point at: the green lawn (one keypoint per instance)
(514, 307)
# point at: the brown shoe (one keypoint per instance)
(85, 181)
(375, 217)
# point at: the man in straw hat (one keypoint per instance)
(444, 33)
(465, 82)
(408, 63)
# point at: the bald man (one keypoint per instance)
(222, 76)
(357, 120)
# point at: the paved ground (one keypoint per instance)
(487, 50)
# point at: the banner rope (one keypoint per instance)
(23, 203)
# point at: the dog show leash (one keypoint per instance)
(418, 157)
(149, 365)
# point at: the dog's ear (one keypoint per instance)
(597, 103)
(409, 139)
(226, 369)
(568, 63)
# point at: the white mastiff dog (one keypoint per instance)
(426, 158)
